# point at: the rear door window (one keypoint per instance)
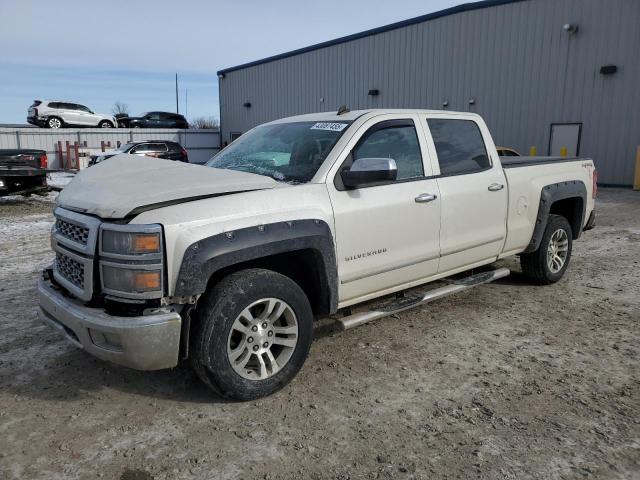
(459, 145)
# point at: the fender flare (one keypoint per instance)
(550, 194)
(207, 256)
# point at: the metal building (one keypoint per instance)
(543, 73)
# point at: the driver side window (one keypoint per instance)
(395, 139)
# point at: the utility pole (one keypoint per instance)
(177, 105)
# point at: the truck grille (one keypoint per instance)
(75, 241)
(70, 269)
(73, 232)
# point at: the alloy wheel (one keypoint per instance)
(557, 250)
(262, 339)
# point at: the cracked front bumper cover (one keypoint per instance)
(149, 342)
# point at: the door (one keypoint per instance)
(473, 192)
(152, 120)
(387, 235)
(70, 114)
(564, 139)
(87, 117)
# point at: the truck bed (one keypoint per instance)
(526, 177)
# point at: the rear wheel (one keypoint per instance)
(252, 334)
(54, 122)
(105, 124)
(548, 264)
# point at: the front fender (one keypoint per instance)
(205, 257)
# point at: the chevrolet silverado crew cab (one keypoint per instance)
(229, 263)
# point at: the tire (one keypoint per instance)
(135, 126)
(54, 122)
(105, 124)
(217, 344)
(537, 265)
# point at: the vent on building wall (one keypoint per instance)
(247, 104)
(608, 69)
(374, 92)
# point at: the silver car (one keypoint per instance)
(55, 114)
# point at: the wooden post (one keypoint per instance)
(68, 156)
(76, 148)
(60, 157)
(636, 182)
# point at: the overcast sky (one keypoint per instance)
(98, 53)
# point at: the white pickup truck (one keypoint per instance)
(228, 264)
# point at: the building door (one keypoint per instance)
(565, 135)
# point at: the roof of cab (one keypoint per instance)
(352, 115)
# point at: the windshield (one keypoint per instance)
(287, 152)
(125, 147)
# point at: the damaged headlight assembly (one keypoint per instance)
(132, 261)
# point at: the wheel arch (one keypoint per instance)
(568, 199)
(303, 250)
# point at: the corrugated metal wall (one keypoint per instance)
(201, 145)
(524, 71)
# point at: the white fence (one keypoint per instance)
(200, 144)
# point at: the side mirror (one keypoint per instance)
(366, 171)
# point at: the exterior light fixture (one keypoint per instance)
(570, 27)
(221, 76)
(247, 104)
(445, 104)
(608, 69)
(472, 100)
(374, 92)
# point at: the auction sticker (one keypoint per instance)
(334, 127)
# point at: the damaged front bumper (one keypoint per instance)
(148, 342)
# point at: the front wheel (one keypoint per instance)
(105, 124)
(548, 264)
(251, 334)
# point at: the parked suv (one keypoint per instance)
(149, 148)
(154, 120)
(54, 114)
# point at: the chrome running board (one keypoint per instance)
(455, 286)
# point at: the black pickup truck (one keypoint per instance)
(23, 172)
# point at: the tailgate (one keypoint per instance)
(22, 159)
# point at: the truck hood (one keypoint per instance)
(129, 184)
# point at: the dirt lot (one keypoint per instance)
(506, 381)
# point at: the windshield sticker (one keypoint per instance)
(334, 127)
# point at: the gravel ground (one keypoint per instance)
(505, 381)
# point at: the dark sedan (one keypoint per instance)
(149, 148)
(154, 120)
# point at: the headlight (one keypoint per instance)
(131, 261)
(130, 243)
(124, 279)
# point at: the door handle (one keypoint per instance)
(494, 187)
(425, 198)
